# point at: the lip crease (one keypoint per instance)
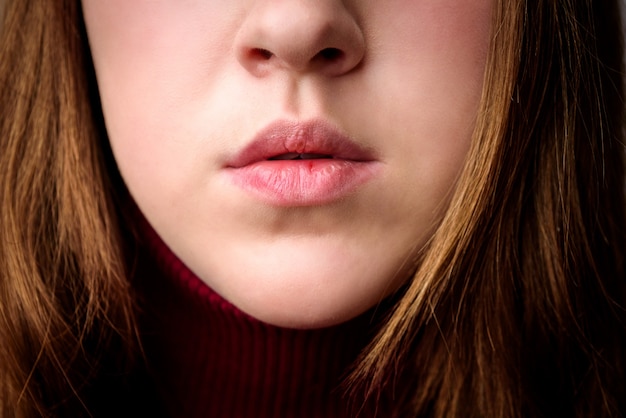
(308, 163)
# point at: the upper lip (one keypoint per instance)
(315, 137)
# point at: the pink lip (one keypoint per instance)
(342, 168)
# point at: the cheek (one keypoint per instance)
(142, 29)
(429, 59)
(438, 48)
(432, 58)
(152, 57)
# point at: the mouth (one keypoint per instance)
(301, 164)
(297, 156)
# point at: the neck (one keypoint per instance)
(210, 359)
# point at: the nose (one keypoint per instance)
(299, 36)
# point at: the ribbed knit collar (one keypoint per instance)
(212, 360)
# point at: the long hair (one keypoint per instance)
(517, 304)
(64, 296)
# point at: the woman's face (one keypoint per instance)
(295, 154)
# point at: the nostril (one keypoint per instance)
(330, 54)
(260, 54)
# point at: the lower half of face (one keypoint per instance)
(295, 155)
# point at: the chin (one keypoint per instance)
(313, 308)
(307, 293)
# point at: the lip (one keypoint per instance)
(264, 169)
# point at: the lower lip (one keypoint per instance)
(303, 182)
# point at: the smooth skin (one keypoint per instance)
(187, 84)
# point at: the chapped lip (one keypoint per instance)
(291, 164)
(312, 138)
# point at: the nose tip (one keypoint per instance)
(300, 36)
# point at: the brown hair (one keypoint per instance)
(63, 289)
(516, 308)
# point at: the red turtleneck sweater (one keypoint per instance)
(209, 359)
